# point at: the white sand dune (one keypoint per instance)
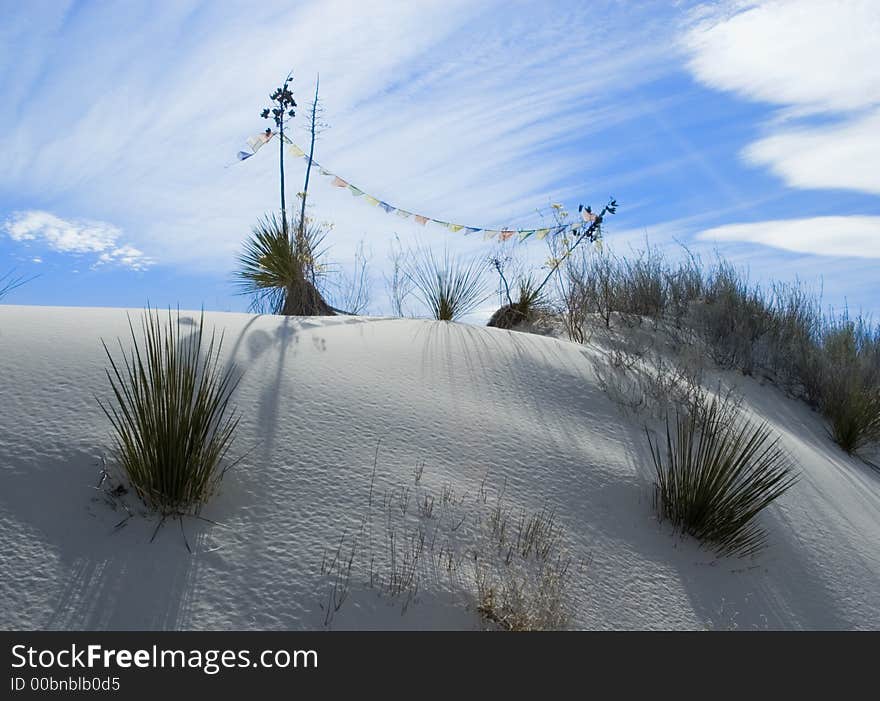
(316, 397)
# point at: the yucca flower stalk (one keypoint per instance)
(717, 476)
(172, 421)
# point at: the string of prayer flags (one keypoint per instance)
(258, 141)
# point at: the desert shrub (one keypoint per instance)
(592, 286)
(449, 286)
(524, 586)
(280, 268)
(685, 285)
(717, 476)
(644, 284)
(795, 326)
(351, 290)
(171, 416)
(397, 285)
(733, 318)
(845, 381)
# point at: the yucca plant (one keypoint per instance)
(171, 416)
(450, 287)
(525, 306)
(717, 476)
(279, 267)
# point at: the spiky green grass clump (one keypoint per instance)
(280, 269)
(717, 476)
(450, 287)
(171, 416)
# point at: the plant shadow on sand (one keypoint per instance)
(116, 578)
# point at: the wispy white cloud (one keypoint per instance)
(811, 58)
(837, 156)
(854, 236)
(819, 55)
(75, 236)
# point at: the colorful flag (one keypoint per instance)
(504, 235)
(454, 227)
(355, 191)
(421, 220)
(372, 200)
(296, 151)
(588, 216)
(523, 235)
(542, 233)
(403, 213)
(339, 182)
(471, 230)
(489, 234)
(242, 155)
(387, 207)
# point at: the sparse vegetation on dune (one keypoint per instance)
(830, 361)
(173, 423)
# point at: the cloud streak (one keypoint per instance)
(855, 236)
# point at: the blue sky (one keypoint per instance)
(750, 127)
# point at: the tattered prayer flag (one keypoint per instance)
(372, 200)
(489, 234)
(542, 233)
(471, 230)
(339, 182)
(455, 227)
(403, 213)
(295, 151)
(387, 207)
(355, 191)
(256, 142)
(324, 172)
(588, 216)
(421, 220)
(523, 235)
(504, 235)
(242, 155)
